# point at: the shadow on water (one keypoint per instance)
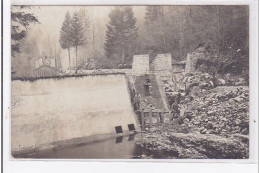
(122, 147)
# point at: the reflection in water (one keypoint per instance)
(119, 139)
(118, 148)
(109, 149)
(131, 137)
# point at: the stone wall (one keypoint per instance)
(140, 64)
(178, 68)
(163, 62)
(103, 71)
(161, 65)
(190, 66)
(154, 98)
(192, 59)
(49, 110)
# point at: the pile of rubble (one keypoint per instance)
(169, 141)
(187, 81)
(214, 108)
(183, 82)
(222, 110)
(215, 123)
(232, 80)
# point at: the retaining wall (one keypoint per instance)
(50, 110)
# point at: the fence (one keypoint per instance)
(159, 116)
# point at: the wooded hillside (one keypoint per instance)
(111, 41)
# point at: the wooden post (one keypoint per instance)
(171, 117)
(158, 118)
(142, 117)
(162, 117)
(151, 118)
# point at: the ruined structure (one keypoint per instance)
(179, 67)
(152, 95)
(140, 64)
(45, 66)
(48, 61)
(162, 62)
(192, 59)
(71, 110)
(190, 63)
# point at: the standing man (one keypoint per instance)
(137, 101)
(175, 110)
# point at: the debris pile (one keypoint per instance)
(169, 141)
(213, 109)
(185, 82)
(213, 120)
(215, 124)
(222, 110)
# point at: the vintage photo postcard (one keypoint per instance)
(130, 82)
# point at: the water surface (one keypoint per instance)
(122, 147)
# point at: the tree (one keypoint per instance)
(77, 33)
(155, 40)
(131, 29)
(66, 35)
(153, 14)
(121, 33)
(180, 29)
(232, 43)
(84, 15)
(20, 22)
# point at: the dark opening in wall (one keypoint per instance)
(131, 127)
(119, 129)
(147, 87)
(146, 90)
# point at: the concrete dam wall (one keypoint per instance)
(49, 110)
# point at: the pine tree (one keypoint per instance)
(131, 29)
(77, 33)
(113, 32)
(66, 35)
(121, 33)
(19, 26)
(85, 22)
(156, 40)
(153, 14)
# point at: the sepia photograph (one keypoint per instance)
(130, 82)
